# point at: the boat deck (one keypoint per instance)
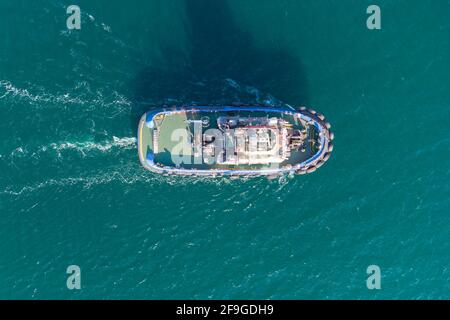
(165, 142)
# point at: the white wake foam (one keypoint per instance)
(86, 146)
(9, 90)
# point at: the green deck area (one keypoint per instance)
(167, 141)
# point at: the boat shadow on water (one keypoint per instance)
(223, 66)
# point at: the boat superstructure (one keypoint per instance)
(233, 140)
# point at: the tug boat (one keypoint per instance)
(233, 141)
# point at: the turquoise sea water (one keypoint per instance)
(72, 190)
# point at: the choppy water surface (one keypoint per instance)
(72, 190)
